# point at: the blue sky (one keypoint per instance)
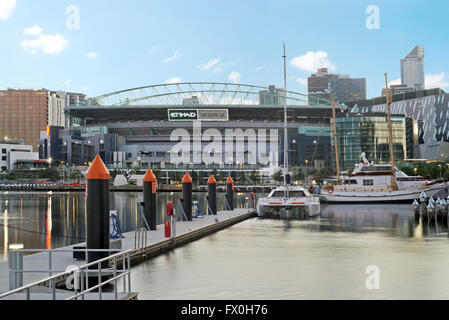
(125, 44)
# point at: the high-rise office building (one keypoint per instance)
(348, 89)
(412, 69)
(25, 113)
(271, 97)
(321, 84)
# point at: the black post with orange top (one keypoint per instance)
(149, 199)
(212, 195)
(230, 193)
(97, 211)
(187, 196)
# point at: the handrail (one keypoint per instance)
(53, 278)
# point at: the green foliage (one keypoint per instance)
(278, 176)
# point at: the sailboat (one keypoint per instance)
(379, 183)
(287, 198)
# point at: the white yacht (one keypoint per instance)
(374, 183)
(295, 197)
(287, 198)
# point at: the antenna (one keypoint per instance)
(285, 120)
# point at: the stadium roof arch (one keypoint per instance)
(206, 93)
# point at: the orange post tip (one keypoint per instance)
(230, 181)
(212, 180)
(187, 178)
(98, 170)
(149, 176)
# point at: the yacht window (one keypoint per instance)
(368, 182)
(376, 169)
(278, 194)
(350, 182)
(297, 194)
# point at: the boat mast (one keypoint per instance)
(335, 138)
(285, 121)
(394, 185)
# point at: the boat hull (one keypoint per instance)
(380, 197)
(265, 209)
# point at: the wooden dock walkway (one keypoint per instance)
(156, 244)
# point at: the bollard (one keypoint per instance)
(97, 210)
(212, 195)
(253, 202)
(171, 215)
(167, 229)
(187, 196)
(149, 198)
(230, 193)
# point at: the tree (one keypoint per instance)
(278, 176)
(298, 174)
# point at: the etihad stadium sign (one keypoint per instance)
(198, 115)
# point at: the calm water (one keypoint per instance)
(324, 258)
(53, 220)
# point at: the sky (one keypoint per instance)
(97, 47)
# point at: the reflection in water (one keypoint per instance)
(53, 220)
(324, 258)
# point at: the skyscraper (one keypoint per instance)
(321, 84)
(412, 69)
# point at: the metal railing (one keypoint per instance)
(140, 240)
(81, 276)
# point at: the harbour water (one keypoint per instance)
(322, 258)
(53, 220)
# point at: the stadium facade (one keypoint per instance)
(137, 127)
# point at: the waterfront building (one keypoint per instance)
(412, 69)
(14, 155)
(430, 110)
(369, 133)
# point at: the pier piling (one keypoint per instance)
(97, 210)
(212, 195)
(187, 196)
(149, 198)
(230, 193)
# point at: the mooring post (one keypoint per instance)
(187, 196)
(212, 195)
(149, 198)
(97, 210)
(230, 193)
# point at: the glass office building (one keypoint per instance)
(369, 133)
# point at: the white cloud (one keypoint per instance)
(49, 44)
(33, 31)
(68, 83)
(154, 49)
(218, 70)
(176, 56)
(173, 80)
(259, 68)
(438, 80)
(208, 65)
(84, 89)
(311, 61)
(7, 8)
(235, 77)
(302, 81)
(92, 55)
